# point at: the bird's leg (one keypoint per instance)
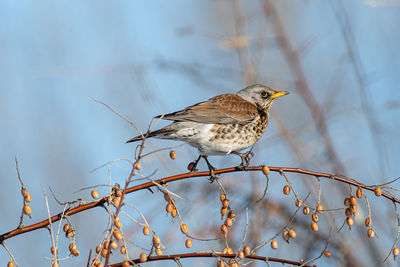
(211, 168)
(245, 158)
(193, 165)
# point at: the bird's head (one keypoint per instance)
(260, 95)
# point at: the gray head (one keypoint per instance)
(260, 95)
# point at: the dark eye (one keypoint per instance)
(264, 94)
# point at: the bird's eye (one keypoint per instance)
(264, 94)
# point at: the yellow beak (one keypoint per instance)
(279, 94)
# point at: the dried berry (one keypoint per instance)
(378, 191)
(172, 154)
(188, 243)
(274, 244)
(95, 194)
(286, 190)
(265, 170)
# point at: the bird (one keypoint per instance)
(224, 124)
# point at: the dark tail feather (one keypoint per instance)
(151, 134)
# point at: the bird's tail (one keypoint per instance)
(159, 133)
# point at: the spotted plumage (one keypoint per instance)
(224, 124)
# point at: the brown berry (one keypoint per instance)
(353, 200)
(246, 250)
(315, 217)
(224, 228)
(159, 251)
(265, 170)
(359, 193)
(113, 244)
(188, 243)
(24, 192)
(10, 264)
(146, 230)
(184, 228)
(327, 253)
(314, 226)
(370, 233)
(105, 244)
(172, 154)
(396, 252)
(116, 201)
(299, 203)
(222, 197)
(156, 240)
(118, 192)
(126, 264)
(320, 209)
(228, 222)
(353, 208)
(347, 201)
(231, 214)
(27, 209)
(174, 212)
(95, 194)
(143, 257)
(117, 234)
(104, 252)
(138, 165)
(224, 211)
(240, 254)
(55, 264)
(292, 233)
(98, 249)
(190, 167)
(53, 250)
(66, 227)
(225, 203)
(117, 223)
(378, 191)
(70, 233)
(167, 197)
(75, 252)
(368, 222)
(349, 221)
(28, 198)
(71, 247)
(230, 251)
(122, 249)
(286, 190)
(285, 236)
(348, 212)
(220, 263)
(169, 207)
(306, 210)
(274, 244)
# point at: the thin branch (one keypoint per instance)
(101, 202)
(212, 255)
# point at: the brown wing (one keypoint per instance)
(228, 108)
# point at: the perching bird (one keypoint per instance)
(222, 125)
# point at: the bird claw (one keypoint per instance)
(245, 159)
(213, 176)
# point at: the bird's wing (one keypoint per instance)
(228, 108)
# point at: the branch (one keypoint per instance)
(101, 202)
(211, 255)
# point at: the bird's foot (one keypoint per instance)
(213, 176)
(211, 168)
(245, 159)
